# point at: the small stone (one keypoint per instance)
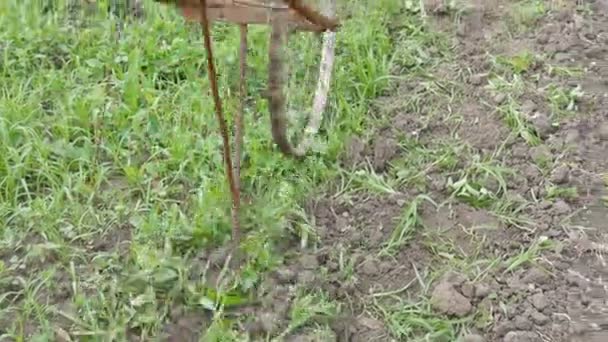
(585, 300)
(528, 107)
(447, 300)
(590, 35)
(532, 173)
(542, 124)
(576, 280)
(539, 318)
(522, 336)
(572, 136)
(437, 184)
(560, 175)
(519, 151)
(539, 301)
(523, 323)
(535, 276)
(560, 207)
(384, 150)
(596, 51)
(504, 328)
(544, 204)
(468, 290)
(482, 290)
(473, 338)
(342, 224)
(514, 282)
(369, 266)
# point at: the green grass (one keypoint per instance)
(111, 173)
(523, 14)
(563, 101)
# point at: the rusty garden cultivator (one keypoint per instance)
(282, 16)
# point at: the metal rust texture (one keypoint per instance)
(299, 15)
(234, 190)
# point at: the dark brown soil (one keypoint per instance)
(559, 297)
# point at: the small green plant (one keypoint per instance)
(517, 64)
(474, 183)
(518, 123)
(369, 180)
(511, 86)
(412, 168)
(525, 13)
(564, 71)
(471, 192)
(407, 225)
(511, 212)
(563, 101)
(309, 308)
(418, 321)
(529, 255)
(568, 193)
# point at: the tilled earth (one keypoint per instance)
(524, 93)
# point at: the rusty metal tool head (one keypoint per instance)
(297, 13)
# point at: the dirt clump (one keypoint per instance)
(384, 150)
(447, 297)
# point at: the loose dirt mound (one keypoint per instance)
(495, 227)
